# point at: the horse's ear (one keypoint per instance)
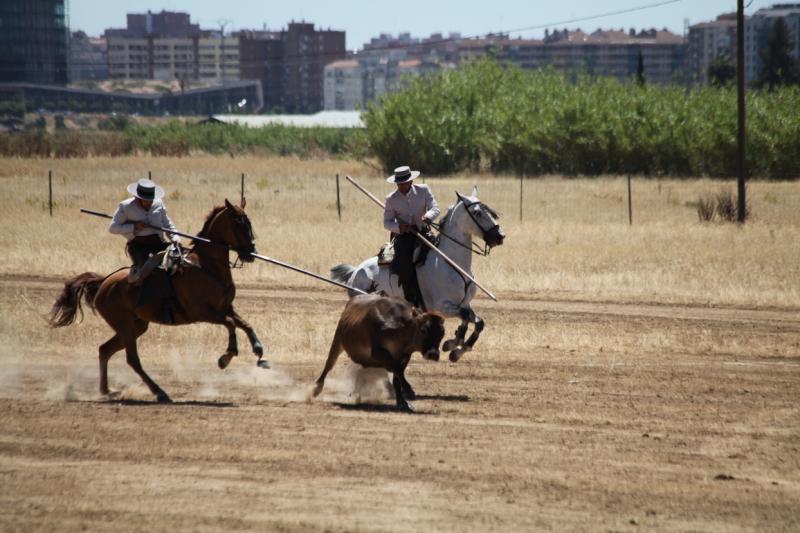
(474, 190)
(228, 204)
(463, 199)
(243, 203)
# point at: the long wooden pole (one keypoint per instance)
(307, 273)
(426, 242)
(257, 256)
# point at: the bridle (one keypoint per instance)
(474, 248)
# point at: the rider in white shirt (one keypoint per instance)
(134, 219)
(409, 209)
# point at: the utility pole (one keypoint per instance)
(742, 204)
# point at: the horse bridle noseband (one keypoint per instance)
(474, 248)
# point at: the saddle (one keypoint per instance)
(170, 260)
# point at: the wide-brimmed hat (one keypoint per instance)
(402, 175)
(145, 189)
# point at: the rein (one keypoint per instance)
(474, 248)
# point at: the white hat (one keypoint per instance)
(145, 189)
(402, 175)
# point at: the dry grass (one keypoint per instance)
(574, 241)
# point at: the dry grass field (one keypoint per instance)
(629, 377)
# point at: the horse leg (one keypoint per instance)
(107, 349)
(461, 332)
(233, 348)
(132, 355)
(333, 355)
(467, 315)
(258, 348)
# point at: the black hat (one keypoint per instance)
(145, 189)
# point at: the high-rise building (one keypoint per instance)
(709, 41)
(757, 30)
(290, 64)
(33, 41)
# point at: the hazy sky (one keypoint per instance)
(363, 19)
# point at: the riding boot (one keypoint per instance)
(137, 274)
(166, 316)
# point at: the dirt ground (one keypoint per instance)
(567, 416)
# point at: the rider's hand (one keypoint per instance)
(138, 226)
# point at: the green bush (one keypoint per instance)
(114, 123)
(537, 122)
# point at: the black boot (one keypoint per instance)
(166, 316)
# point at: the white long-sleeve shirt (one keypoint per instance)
(409, 208)
(129, 211)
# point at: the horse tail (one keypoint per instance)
(342, 272)
(68, 304)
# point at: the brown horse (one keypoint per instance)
(204, 292)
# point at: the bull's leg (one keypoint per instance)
(333, 355)
(132, 355)
(242, 324)
(233, 348)
(397, 366)
(408, 390)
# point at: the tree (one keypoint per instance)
(721, 71)
(778, 66)
(640, 69)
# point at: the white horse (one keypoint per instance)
(443, 289)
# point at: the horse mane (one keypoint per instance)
(446, 218)
(214, 212)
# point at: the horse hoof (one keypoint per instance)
(224, 360)
(258, 349)
(163, 397)
(456, 354)
(263, 363)
(406, 407)
(449, 345)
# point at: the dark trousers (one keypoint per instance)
(157, 286)
(140, 248)
(404, 266)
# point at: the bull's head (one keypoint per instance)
(430, 331)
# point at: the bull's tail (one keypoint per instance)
(68, 304)
(342, 272)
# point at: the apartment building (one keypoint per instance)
(290, 64)
(757, 30)
(88, 57)
(709, 41)
(166, 46)
(613, 53)
(352, 83)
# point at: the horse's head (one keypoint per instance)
(482, 220)
(230, 225)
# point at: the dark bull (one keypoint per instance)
(383, 332)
